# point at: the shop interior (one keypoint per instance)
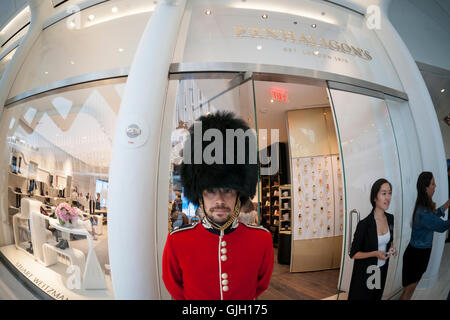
(59, 149)
(301, 203)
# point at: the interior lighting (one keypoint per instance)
(208, 12)
(91, 17)
(313, 25)
(264, 16)
(275, 6)
(443, 90)
(114, 10)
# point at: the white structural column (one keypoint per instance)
(427, 126)
(134, 160)
(40, 11)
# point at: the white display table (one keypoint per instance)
(93, 276)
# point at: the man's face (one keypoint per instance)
(219, 204)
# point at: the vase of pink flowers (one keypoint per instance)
(67, 215)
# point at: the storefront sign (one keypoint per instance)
(309, 40)
(40, 283)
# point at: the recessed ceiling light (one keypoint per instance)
(208, 12)
(443, 90)
(72, 62)
(114, 9)
(264, 16)
(295, 22)
(46, 72)
(120, 49)
(91, 17)
(314, 25)
(316, 53)
(259, 47)
(271, 100)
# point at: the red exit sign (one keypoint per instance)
(279, 94)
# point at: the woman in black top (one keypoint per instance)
(373, 236)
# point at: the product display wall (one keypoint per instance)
(317, 197)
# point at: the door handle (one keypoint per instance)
(351, 227)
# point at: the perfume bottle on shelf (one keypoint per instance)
(307, 210)
(299, 203)
(314, 216)
(314, 189)
(305, 168)
(326, 173)
(300, 218)
(307, 224)
(314, 230)
(321, 210)
(299, 189)
(313, 175)
(299, 177)
(300, 230)
(321, 222)
(312, 162)
(325, 160)
(307, 197)
(321, 195)
(298, 163)
(328, 187)
(341, 227)
(328, 228)
(306, 182)
(314, 202)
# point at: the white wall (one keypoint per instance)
(424, 26)
(8, 9)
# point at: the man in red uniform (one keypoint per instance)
(218, 258)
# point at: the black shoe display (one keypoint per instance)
(30, 249)
(60, 244)
(64, 245)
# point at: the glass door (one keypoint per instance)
(369, 151)
(189, 97)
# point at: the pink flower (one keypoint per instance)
(66, 213)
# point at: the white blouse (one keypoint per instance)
(382, 242)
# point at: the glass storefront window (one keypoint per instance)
(58, 149)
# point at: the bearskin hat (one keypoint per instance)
(239, 175)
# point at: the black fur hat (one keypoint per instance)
(241, 176)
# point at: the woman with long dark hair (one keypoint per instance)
(372, 238)
(426, 220)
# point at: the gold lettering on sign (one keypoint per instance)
(357, 51)
(254, 32)
(288, 36)
(309, 40)
(303, 39)
(240, 30)
(270, 33)
(323, 43)
(346, 48)
(334, 45)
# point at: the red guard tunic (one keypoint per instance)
(201, 263)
